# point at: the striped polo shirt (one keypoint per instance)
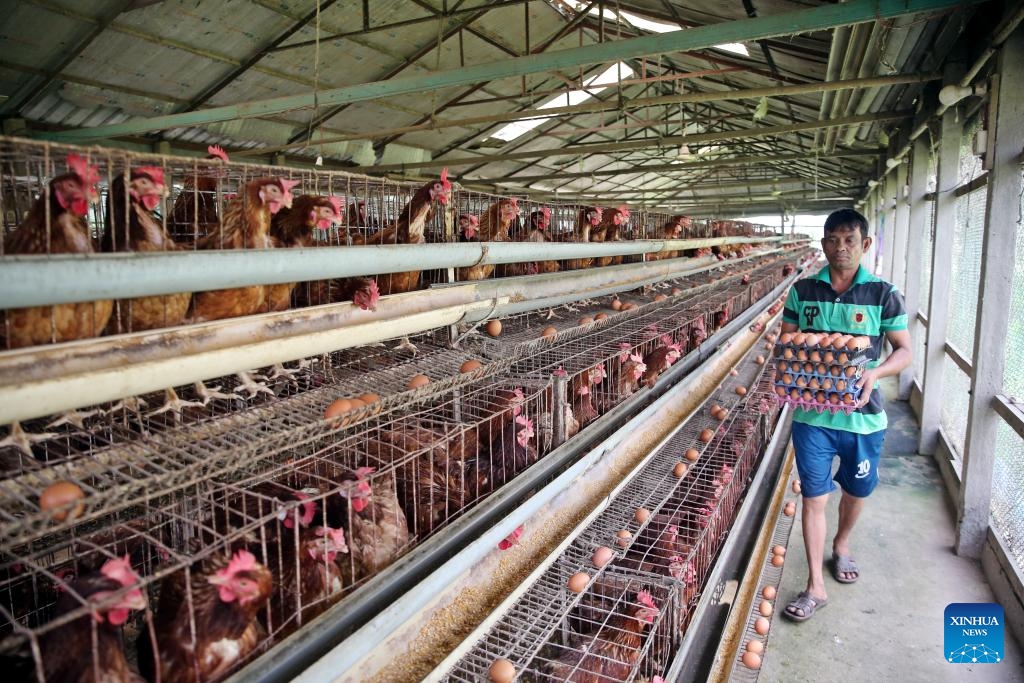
(872, 307)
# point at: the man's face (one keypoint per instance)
(844, 247)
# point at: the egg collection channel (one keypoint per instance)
(820, 371)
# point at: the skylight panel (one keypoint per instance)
(591, 87)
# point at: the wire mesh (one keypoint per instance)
(966, 269)
(956, 391)
(1007, 482)
(662, 531)
(1013, 373)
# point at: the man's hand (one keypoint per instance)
(866, 383)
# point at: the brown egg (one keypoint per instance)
(811, 339)
(768, 592)
(835, 371)
(828, 357)
(781, 391)
(814, 356)
(771, 338)
(642, 515)
(787, 379)
(789, 510)
(761, 626)
(734, 373)
(714, 409)
(786, 337)
(502, 671)
(628, 306)
(623, 538)
(851, 344)
(493, 327)
(843, 358)
(794, 393)
(813, 383)
(418, 381)
(680, 469)
(779, 550)
(851, 370)
(754, 645)
(826, 384)
(470, 365)
(706, 435)
(799, 338)
(369, 398)
(787, 353)
(585, 320)
(796, 486)
(742, 391)
(549, 331)
(801, 354)
(752, 660)
(808, 395)
(759, 360)
(840, 385)
(57, 496)
(601, 316)
(578, 582)
(783, 365)
(338, 407)
(723, 413)
(834, 399)
(779, 560)
(692, 454)
(676, 291)
(660, 297)
(602, 556)
(765, 608)
(848, 399)
(863, 342)
(819, 397)
(615, 305)
(801, 381)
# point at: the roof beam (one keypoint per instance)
(34, 88)
(787, 23)
(645, 143)
(222, 83)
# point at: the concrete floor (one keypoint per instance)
(888, 626)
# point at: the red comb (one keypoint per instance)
(546, 211)
(337, 203)
(155, 173)
(286, 184)
(646, 600)
(120, 569)
(242, 561)
(217, 151)
(89, 174)
(363, 471)
(444, 179)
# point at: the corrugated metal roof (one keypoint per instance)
(114, 61)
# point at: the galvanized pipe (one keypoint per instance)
(67, 278)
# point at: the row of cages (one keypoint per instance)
(617, 602)
(57, 200)
(173, 531)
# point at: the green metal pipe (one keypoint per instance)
(801, 21)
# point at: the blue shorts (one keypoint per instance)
(858, 460)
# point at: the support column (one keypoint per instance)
(1002, 214)
(900, 229)
(942, 265)
(919, 230)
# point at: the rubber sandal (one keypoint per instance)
(844, 564)
(807, 604)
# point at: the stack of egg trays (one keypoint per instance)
(807, 369)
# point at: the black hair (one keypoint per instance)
(847, 218)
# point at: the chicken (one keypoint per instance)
(246, 225)
(624, 374)
(378, 532)
(672, 230)
(609, 653)
(581, 395)
(509, 454)
(469, 226)
(660, 359)
(612, 221)
(494, 226)
(721, 316)
(656, 544)
(293, 227)
(698, 331)
(308, 578)
(142, 231)
(540, 221)
(220, 603)
(409, 228)
(588, 220)
(67, 203)
(104, 600)
(194, 214)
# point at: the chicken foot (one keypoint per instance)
(75, 418)
(209, 393)
(174, 404)
(254, 388)
(22, 440)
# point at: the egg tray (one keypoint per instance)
(814, 405)
(857, 357)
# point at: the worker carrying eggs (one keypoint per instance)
(843, 297)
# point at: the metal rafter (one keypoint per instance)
(16, 103)
(816, 18)
(225, 81)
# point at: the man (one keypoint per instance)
(843, 297)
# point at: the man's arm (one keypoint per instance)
(790, 327)
(900, 358)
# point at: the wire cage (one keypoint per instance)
(620, 628)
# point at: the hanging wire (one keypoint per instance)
(316, 83)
